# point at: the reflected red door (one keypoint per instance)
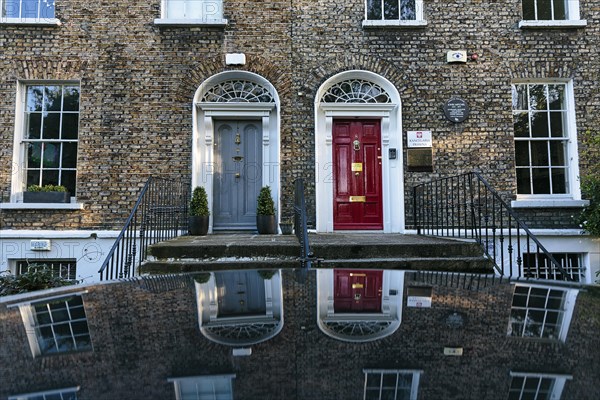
(357, 202)
(357, 291)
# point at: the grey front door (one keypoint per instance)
(238, 174)
(240, 293)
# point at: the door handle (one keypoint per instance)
(238, 175)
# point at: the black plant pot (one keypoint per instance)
(198, 225)
(266, 224)
(46, 197)
(286, 228)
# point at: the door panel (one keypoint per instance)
(240, 293)
(357, 291)
(237, 177)
(358, 196)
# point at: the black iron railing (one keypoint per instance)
(300, 224)
(160, 213)
(467, 207)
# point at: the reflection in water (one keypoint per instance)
(346, 334)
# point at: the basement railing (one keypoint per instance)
(160, 213)
(467, 207)
(300, 224)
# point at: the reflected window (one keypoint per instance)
(208, 387)
(66, 269)
(57, 325)
(546, 10)
(542, 132)
(538, 266)
(536, 386)
(539, 312)
(394, 10)
(59, 394)
(50, 132)
(391, 384)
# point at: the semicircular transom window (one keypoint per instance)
(238, 91)
(356, 91)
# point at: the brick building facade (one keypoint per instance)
(144, 338)
(144, 77)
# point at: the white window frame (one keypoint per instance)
(414, 390)
(557, 385)
(19, 176)
(216, 20)
(39, 20)
(61, 392)
(573, 18)
(28, 316)
(573, 196)
(419, 20)
(568, 304)
(203, 380)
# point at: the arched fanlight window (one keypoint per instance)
(356, 91)
(237, 91)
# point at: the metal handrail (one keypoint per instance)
(467, 207)
(160, 213)
(300, 224)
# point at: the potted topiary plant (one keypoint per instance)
(46, 194)
(199, 212)
(265, 212)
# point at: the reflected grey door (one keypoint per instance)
(240, 293)
(238, 174)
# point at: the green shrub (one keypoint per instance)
(199, 203)
(265, 204)
(589, 218)
(37, 277)
(46, 188)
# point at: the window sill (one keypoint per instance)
(30, 21)
(184, 22)
(538, 24)
(41, 206)
(547, 203)
(394, 23)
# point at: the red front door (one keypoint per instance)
(357, 202)
(357, 291)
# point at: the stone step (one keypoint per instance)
(339, 250)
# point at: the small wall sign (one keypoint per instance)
(456, 110)
(419, 139)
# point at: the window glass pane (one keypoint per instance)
(53, 98)
(558, 153)
(537, 97)
(51, 155)
(69, 156)
(35, 97)
(528, 9)
(539, 153)
(522, 153)
(34, 155)
(374, 9)
(79, 328)
(521, 124)
(389, 380)
(408, 10)
(50, 177)
(51, 125)
(541, 180)
(523, 181)
(33, 177)
(560, 9)
(544, 11)
(71, 98)
(372, 394)
(539, 124)
(373, 380)
(519, 95)
(517, 321)
(194, 8)
(559, 181)
(43, 317)
(29, 8)
(388, 394)
(390, 9)
(34, 125)
(556, 97)
(70, 126)
(537, 297)
(557, 124)
(175, 9)
(77, 312)
(67, 179)
(47, 9)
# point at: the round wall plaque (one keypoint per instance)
(456, 110)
